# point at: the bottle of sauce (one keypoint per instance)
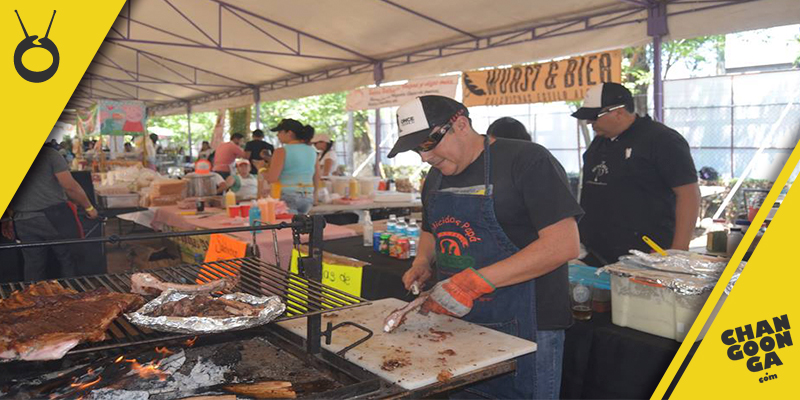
(230, 199)
(353, 188)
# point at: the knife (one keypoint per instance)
(398, 316)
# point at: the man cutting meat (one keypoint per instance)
(500, 223)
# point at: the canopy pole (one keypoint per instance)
(377, 168)
(657, 28)
(189, 127)
(658, 82)
(257, 99)
(350, 143)
(377, 74)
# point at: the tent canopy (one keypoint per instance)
(211, 54)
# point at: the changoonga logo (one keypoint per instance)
(30, 42)
(764, 341)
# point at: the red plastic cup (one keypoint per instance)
(233, 211)
(244, 210)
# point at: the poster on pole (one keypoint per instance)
(120, 118)
(393, 96)
(562, 80)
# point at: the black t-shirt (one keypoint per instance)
(627, 188)
(255, 147)
(531, 192)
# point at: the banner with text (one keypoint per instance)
(393, 96)
(562, 80)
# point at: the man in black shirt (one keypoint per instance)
(638, 180)
(257, 149)
(500, 224)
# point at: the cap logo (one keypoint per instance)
(407, 121)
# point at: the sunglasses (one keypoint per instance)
(433, 139)
(600, 114)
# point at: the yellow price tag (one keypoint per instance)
(346, 278)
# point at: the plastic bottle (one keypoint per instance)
(400, 227)
(391, 224)
(255, 216)
(353, 189)
(230, 198)
(367, 230)
(413, 230)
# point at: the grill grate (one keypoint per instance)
(303, 297)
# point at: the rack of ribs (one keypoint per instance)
(45, 321)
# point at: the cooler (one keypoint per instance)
(662, 295)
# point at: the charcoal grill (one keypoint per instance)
(303, 293)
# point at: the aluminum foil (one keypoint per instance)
(273, 307)
(735, 277)
(679, 261)
(682, 272)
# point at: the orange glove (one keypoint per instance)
(455, 295)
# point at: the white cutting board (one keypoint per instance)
(475, 347)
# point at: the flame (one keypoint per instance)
(190, 342)
(148, 370)
(164, 351)
(82, 386)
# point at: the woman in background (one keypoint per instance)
(205, 151)
(294, 166)
(327, 157)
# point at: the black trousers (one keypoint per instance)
(37, 229)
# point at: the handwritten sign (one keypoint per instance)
(393, 96)
(346, 278)
(563, 80)
(224, 247)
(193, 249)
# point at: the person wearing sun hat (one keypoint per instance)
(294, 169)
(639, 179)
(499, 224)
(243, 183)
(327, 157)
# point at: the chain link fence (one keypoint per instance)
(725, 120)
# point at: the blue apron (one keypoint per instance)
(468, 235)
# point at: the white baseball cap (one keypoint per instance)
(416, 119)
(603, 95)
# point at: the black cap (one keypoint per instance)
(508, 128)
(603, 96)
(288, 124)
(416, 119)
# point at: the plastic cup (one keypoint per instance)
(580, 297)
(233, 211)
(244, 210)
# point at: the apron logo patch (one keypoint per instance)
(457, 262)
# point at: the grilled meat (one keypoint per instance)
(43, 322)
(147, 284)
(206, 306)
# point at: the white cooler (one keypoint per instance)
(653, 308)
(662, 295)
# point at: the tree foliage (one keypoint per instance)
(326, 113)
(202, 128)
(637, 65)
